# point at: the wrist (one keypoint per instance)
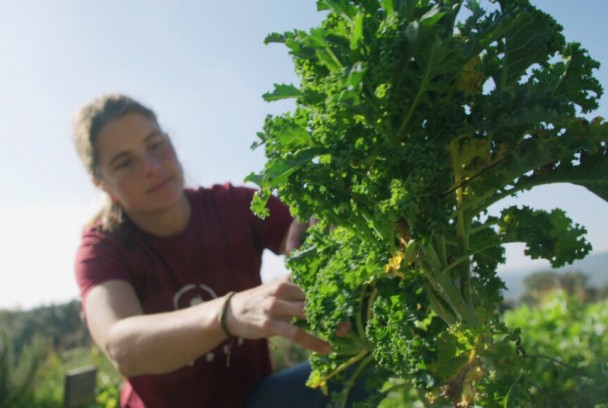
(222, 317)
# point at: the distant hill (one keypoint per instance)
(595, 267)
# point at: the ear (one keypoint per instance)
(100, 184)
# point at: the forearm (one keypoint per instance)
(294, 236)
(140, 344)
(161, 343)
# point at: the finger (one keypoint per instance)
(289, 309)
(343, 329)
(289, 291)
(302, 338)
(284, 278)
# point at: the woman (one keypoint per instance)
(169, 276)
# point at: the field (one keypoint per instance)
(562, 318)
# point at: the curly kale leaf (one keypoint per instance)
(548, 235)
(412, 119)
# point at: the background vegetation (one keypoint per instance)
(564, 343)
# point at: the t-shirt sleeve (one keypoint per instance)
(274, 229)
(269, 232)
(98, 260)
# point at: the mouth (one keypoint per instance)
(160, 185)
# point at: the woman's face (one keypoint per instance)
(138, 166)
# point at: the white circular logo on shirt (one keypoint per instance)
(192, 295)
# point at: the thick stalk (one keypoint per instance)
(436, 304)
(462, 235)
(446, 289)
(440, 310)
(454, 298)
(465, 267)
(462, 220)
(441, 249)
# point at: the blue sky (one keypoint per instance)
(203, 67)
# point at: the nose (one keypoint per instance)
(150, 165)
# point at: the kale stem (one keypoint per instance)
(347, 364)
(444, 286)
(441, 311)
(442, 249)
(372, 299)
(462, 233)
(431, 256)
(351, 380)
(463, 223)
(394, 387)
(359, 319)
(466, 257)
(421, 90)
(508, 396)
(454, 298)
(429, 275)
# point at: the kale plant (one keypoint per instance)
(412, 118)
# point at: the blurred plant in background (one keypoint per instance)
(563, 323)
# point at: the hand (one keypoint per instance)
(268, 310)
(343, 329)
(294, 236)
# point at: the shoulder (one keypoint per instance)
(100, 257)
(227, 189)
(230, 198)
(95, 235)
(95, 243)
(224, 194)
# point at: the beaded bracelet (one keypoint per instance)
(223, 312)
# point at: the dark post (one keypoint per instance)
(80, 386)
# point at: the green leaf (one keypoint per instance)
(548, 235)
(357, 32)
(388, 5)
(432, 16)
(328, 58)
(584, 164)
(258, 204)
(282, 91)
(578, 83)
(534, 37)
(295, 137)
(278, 170)
(254, 178)
(408, 126)
(274, 38)
(341, 7)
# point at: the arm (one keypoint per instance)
(149, 344)
(293, 239)
(159, 343)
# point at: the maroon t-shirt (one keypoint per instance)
(220, 251)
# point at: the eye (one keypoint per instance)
(156, 142)
(123, 164)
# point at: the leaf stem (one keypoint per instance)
(421, 90)
(448, 292)
(441, 310)
(467, 256)
(351, 380)
(442, 249)
(361, 354)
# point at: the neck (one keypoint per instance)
(167, 222)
